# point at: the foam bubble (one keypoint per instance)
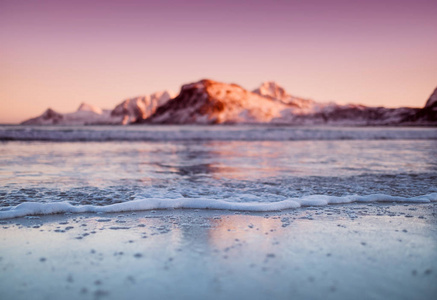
(34, 208)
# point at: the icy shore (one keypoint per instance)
(355, 251)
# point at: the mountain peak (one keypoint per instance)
(271, 89)
(50, 114)
(432, 101)
(136, 109)
(212, 102)
(49, 117)
(91, 108)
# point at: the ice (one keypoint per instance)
(226, 254)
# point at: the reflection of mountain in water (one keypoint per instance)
(223, 161)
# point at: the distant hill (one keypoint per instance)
(211, 102)
(140, 108)
(129, 111)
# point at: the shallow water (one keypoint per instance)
(192, 165)
(351, 251)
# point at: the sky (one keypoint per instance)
(59, 54)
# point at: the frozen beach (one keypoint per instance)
(372, 251)
(223, 212)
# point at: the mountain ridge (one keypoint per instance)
(211, 102)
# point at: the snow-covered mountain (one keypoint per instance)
(129, 111)
(351, 114)
(272, 90)
(49, 117)
(212, 102)
(139, 108)
(86, 114)
(90, 108)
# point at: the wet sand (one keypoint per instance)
(356, 251)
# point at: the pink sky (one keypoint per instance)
(60, 53)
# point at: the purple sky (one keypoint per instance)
(61, 53)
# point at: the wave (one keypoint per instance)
(35, 208)
(207, 133)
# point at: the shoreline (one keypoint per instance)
(27, 209)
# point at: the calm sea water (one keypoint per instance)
(245, 164)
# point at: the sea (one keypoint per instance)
(67, 169)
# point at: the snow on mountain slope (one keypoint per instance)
(127, 112)
(139, 108)
(272, 90)
(308, 112)
(90, 108)
(85, 115)
(354, 115)
(49, 117)
(212, 102)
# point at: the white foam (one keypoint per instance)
(34, 208)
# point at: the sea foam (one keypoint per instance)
(35, 208)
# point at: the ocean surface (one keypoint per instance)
(255, 168)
